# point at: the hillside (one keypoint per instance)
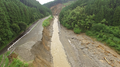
(97, 18)
(55, 2)
(16, 16)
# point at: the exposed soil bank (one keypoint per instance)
(41, 49)
(56, 9)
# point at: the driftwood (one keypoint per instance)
(108, 62)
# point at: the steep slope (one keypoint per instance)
(96, 18)
(16, 16)
(56, 9)
(41, 49)
(55, 2)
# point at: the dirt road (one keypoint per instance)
(83, 51)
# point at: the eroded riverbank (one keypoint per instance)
(41, 49)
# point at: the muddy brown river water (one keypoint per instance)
(57, 50)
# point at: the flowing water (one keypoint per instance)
(57, 50)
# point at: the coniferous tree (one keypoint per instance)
(116, 17)
(16, 15)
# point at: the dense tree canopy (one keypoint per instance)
(97, 18)
(16, 15)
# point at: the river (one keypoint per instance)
(57, 50)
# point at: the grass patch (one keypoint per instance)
(77, 30)
(18, 63)
(15, 63)
(47, 22)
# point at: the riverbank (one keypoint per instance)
(84, 51)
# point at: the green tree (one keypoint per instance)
(13, 11)
(15, 28)
(116, 17)
(22, 26)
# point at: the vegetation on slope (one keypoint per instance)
(16, 16)
(55, 2)
(47, 22)
(4, 61)
(97, 18)
(68, 3)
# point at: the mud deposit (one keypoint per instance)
(57, 50)
(41, 50)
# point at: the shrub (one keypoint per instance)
(77, 30)
(108, 41)
(98, 27)
(68, 26)
(89, 33)
(105, 37)
(99, 39)
(18, 63)
(117, 40)
(15, 28)
(22, 25)
(47, 22)
(112, 44)
(118, 47)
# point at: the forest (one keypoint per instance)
(16, 16)
(99, 19)
(55, 2)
